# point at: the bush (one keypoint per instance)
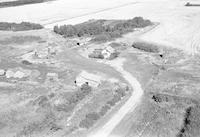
(104, 110)
(89, 120)
(146, 47)
(65, 107)
(80, 94)
(114, 55)
(19, 26)
(93, 116)
(191, 123)
(94, 55)
(25, 62)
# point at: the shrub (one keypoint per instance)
(191, 123)
(25, 62)
(146, 47)
(93, 116)
(86, 123)
(94, 55)
(115, 34)
(120, 92)
(114, 55)
(80, 94)
(65, 107)
(89, 120)
(104, 110)
(114, 100)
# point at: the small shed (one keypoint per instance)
(52, 76)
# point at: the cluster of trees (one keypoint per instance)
(19, 26)
(92, 117)
(191, 123)
(101, 29)
(19, 3)
(74, 97)
(189, 4)
(146, 47)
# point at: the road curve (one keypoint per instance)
(130, 105)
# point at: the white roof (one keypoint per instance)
(2, 71)
(19, 74)
(52, 74)
(110, 49)
(93, 79)
(9, 74)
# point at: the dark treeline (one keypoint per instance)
(191, 123)
(102, 28)
(189, 4)
(19, 26)
(19, 3)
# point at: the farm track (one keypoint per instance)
(130, 105)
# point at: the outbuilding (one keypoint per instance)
(88, 78)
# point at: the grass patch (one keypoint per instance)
(19, 40)
(23, 26)
(92, 117)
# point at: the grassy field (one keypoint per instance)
(38, 105)
(170, 106)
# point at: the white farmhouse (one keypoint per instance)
(107, 52)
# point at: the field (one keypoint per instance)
(39, 90)
(145, 83)
(146, 90)
(170, 92)
(178, 23)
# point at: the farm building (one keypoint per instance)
(85, 77)
(17, 73)
(97, 53)
(106, 53)
(109, 53)
(52, 76)
(45, 52)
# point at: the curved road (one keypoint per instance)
(130, 105)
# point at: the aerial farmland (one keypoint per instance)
(86, 68)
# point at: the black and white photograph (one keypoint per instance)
(99, 68)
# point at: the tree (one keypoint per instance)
(56, 29)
